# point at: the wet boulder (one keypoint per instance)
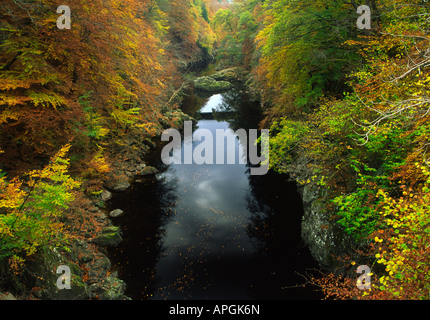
(116, 213)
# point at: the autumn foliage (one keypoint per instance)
(30, 216)
(70, 99)
(350, 109)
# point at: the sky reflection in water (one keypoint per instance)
(209, 223)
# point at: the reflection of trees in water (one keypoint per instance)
(273, 200)
(240, 113)
(275, 225)
(276, 210)
(275, 204)
(194, 100)
(148, 208)
(238, 110)
(167, 195)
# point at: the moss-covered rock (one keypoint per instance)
(111, 288)
(230, 74)
(43, 270)
(176, 119)
(210, 84)
(109, 237)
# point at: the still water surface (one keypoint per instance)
(212, 231)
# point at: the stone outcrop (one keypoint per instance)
(85, 255)
(230, 74)
(323, 236)
(109, 237)
(209, 84)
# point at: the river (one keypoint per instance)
(212, 231)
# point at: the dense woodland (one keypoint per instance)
(349, 106)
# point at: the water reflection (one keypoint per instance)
(213, 103)
(208, 230)
(212, 231)
(149, 206)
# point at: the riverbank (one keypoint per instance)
(90, 235)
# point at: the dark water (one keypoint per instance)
(212, 231)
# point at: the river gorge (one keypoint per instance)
(212, 231)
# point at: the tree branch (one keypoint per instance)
(10, 63)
